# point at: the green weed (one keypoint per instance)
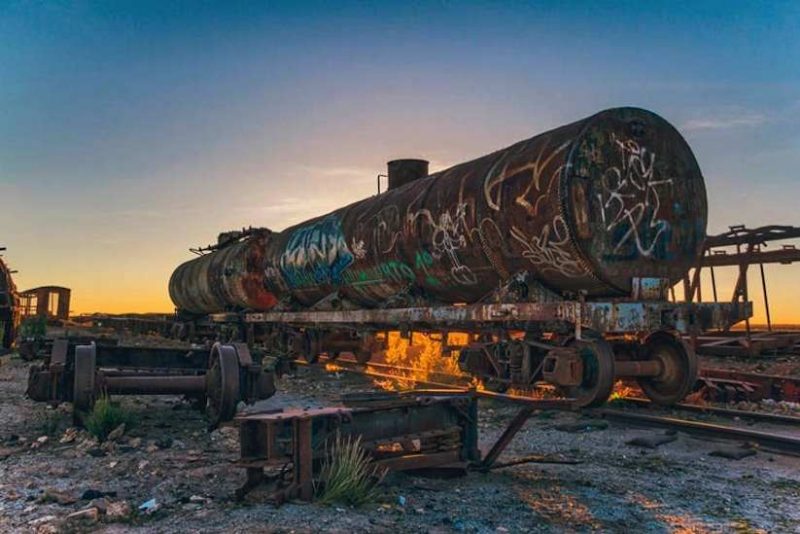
(347, 475)
(105, 417)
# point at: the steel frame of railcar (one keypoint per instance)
(644, 339)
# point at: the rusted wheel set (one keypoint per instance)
(217, 378)
(663, 365)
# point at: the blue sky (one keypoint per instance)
(141, 128)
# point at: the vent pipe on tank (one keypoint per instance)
(404, 171)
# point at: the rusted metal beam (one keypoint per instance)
(154, 385)
(739, 235)
(508, 434)
(638, 368)
(606, 317)
(782, 256)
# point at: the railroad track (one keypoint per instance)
(771, 441)
(349, 366)
(774, 442)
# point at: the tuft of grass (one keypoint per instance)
(105, 417)
(50, 424)
(347, 475)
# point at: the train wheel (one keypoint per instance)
(222, 384)
(679, 369)
(598, 373)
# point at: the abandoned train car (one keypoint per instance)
(9, 306)
(556, 253)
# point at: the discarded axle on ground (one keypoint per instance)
(217, 377)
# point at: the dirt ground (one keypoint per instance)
(169, 456)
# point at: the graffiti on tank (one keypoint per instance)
(449, 235)
(358, 248)
(549, 251)
(493, 183)
(316, 254)
(381, 230)
(422, 263)
(630, 203)
(382, 280)
(490, 238)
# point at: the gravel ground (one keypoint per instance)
(168, 456)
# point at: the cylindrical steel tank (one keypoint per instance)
(584, 207)
(229, 278)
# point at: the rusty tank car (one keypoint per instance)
(9, 307)
(568, 240)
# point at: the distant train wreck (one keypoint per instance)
(50, 303)
(9, 306)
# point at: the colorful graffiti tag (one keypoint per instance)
(316, 254)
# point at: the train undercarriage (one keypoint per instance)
(579, 347)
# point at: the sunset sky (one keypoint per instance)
(130, 131)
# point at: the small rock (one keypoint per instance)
(41, 440)
(100, 504)
(42, 520)
(151, 448)
(117, 433)
(583, 426)
(47, 528)
(61, 497)
(90, 515)
(96, 452)
(69, 435)
(117, 511)
(135, 442)
(733, 453)
(87, 444)
(651, 442)
(5, 452)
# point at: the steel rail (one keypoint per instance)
(768, 441)
(543, 404)
(765, 417)
(715, 410)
